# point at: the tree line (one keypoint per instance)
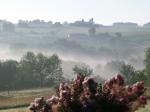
(33, 70)
(130, 74)
(38, 70)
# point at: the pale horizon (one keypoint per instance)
(104, 12)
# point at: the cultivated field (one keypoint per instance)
(18, 101)
(25, 109)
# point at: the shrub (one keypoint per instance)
(83, 94)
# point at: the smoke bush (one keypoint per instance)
(83, 94)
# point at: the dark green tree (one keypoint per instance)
(147, 61)
(54, 69)
(31, 71)
(147, 65)
(8, 71)
(129, 72)
(140, 76)
(84, 70)
(27, 70)
(40, 68)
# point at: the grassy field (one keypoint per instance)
(20, 99)
(16, 110)
(146, 109)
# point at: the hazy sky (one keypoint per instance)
(103, 11)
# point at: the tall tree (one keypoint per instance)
(40, 68)
(54, 69)
(8, 71)
(27, 70)
(147, 61)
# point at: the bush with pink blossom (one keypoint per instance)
(83, 94)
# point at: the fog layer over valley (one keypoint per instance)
(103, 48)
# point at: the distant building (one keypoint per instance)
(8, 27)
(23, 24)
(147, 25)
(1, 25)
(39, 23)
(125, 25)
(57, 24)
(82, 23)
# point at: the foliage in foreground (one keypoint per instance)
(86, 95)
